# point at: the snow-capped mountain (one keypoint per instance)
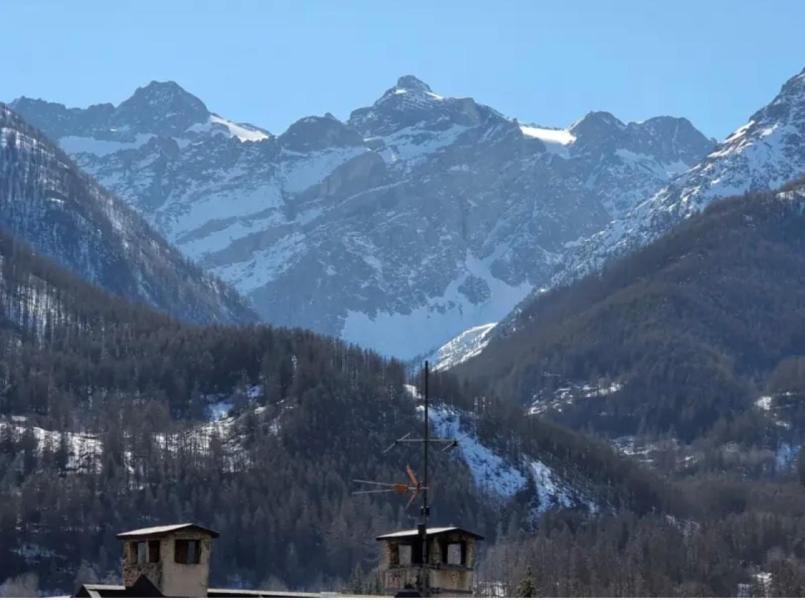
(419, 217)
(61, 213)
(763, 154)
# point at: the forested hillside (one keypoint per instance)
(62, 213)
(695, 344)
(113, 416)
(681, 338)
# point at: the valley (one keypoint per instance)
(594, 320)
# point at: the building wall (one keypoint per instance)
(444, 579)
(186, 580)
(132, 570)
(172, 578)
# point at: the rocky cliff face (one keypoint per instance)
(417, 218)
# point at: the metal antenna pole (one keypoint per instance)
(425, 507)
(423, 527)
(414, 486)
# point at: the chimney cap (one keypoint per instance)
(161, 530)
(412, 533)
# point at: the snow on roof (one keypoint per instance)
(241, 593)
(431, 531)
(163, 529)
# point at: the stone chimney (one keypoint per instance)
(448, 570)
(175, 559)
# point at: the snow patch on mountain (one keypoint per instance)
(415, 144)
(568, 394)
(553, 492)
(555, 140)
(491, 473)
(83, 449)
(244, 133)
(264, 266)
(461, 348)
(428, 325)
(75, 144)
(495, 475)
(300, 172)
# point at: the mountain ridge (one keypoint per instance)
(64, 214)
(418, 217)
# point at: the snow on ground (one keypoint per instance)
(265, 265)
(567, 395)
(785, 456)
(642, 451)
(491, 472)
(439, 318)
(242, 132)
(556, 140)
(33, 553)
(300, 173)
(552, 492)
(218, 125)
(461, 348)
(556, 136)
(764, 403)
(85, 449)
(73, 144)
(219, 410)
(412, 144)
(496, 476)
(225, 206)
(412, 391)
(644, 161)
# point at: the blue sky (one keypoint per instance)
(270, 63)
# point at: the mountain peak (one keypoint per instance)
(161, 107)
(597, 120)
(314, 133)
(167, 94)
(412, 84)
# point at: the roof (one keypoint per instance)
(163, 530)
(145, 589)
(239, 593)
(142, 588)
(407, 533)
(98, 590)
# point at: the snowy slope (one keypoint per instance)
(84, 450)
(420, 217)
(497, 477)
(765, 153)
(464, 346)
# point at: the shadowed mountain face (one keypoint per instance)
(419, 217)
(683, 335)
(46, 201)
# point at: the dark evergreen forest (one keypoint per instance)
(105, 425)
(307, 414)
(694, 328)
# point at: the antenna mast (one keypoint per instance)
(414, 486)
(425, 510)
